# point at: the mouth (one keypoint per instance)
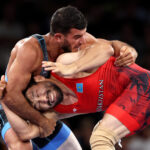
(52, 97)
(36, 106)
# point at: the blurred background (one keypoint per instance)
(128, 21)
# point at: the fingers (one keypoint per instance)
(50, 68)
(48, 64)
(126, 57)
(3, 79)
(124, 61)
(53, 69)
(2, 86)
(125, 51)
(2, 90)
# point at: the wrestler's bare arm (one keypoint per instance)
(125, 54)
(19, 74)
(26, 130)
(92, 57)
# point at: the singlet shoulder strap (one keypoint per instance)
(42, 44)
(41, 40)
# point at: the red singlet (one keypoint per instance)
(123, 92)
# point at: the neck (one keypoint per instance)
(53, 48)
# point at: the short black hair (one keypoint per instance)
(66, 18)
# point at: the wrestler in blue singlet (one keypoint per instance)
(61, 133)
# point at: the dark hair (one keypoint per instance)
(66, 18)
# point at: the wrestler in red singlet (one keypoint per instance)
(123, 92)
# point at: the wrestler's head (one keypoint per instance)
(43, 95)
(68, 26)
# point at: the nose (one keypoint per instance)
(43, 98)
(82, 40)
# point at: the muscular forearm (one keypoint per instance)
(18, 104)
(24, 130)
(93, 57)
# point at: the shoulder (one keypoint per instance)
(28, 47)
(90, 40)
(28, 51)
(104, 41)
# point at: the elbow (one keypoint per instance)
(110, 51)
(10, 101)
(28, 134)
(24, 137)
(7, 100)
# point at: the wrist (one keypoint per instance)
(42, 122)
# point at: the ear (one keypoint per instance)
(59, 37)
(39, 78)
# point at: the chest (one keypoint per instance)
(86, 91)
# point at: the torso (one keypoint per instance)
(98, 90)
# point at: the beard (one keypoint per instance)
(66, 46)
